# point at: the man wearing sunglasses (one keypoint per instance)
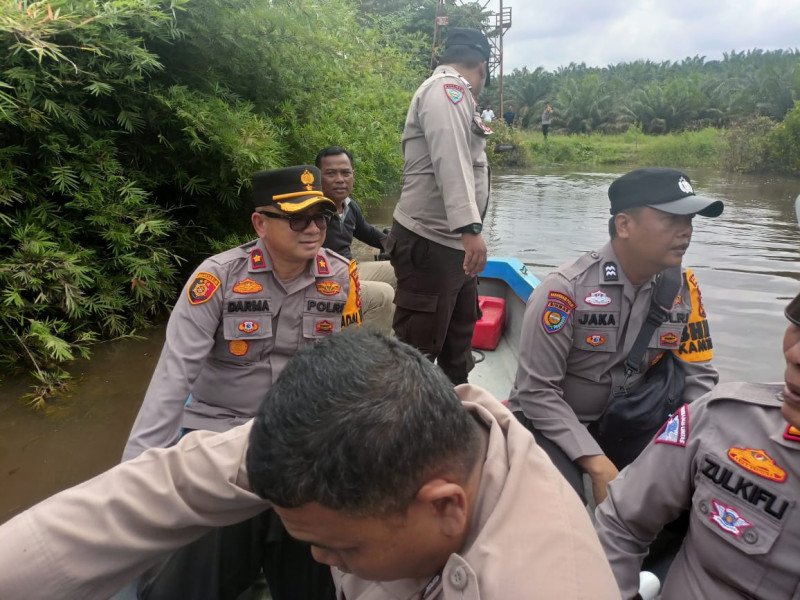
(240, 318)
(732, 458)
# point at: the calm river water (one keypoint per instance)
(747, 263)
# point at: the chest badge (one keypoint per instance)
(248, 326)
(247, 286)
(598, 298)
(238, 347)
(257, 259)
(329, 288)
(324, 327)
(758, 462)
(728, 519)
(669, 339)
(596, 340)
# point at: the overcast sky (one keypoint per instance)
(603, 32)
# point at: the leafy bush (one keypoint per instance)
(746, 145)
(784, 142)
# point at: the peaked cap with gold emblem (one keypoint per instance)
(292, 189)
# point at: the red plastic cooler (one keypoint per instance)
(490, 326)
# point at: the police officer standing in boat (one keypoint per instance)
(240, 318)
(436, 245)
(583, 320)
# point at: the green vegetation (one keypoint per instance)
(131, 130)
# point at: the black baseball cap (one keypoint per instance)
(463, 43)
(669, 190)
(292, 189)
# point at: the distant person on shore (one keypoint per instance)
(376, 277)
(488, 114)
(547, 116)
(509, 115)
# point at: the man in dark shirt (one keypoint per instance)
(377, 278)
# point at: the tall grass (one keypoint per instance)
(685, 149)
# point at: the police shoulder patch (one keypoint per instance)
(676, 430)
(454, 92)
(557, 311)
(202, 288)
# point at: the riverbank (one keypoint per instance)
(704, 148)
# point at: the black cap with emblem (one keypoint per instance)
(463, 43)
(292, 189)
(668, 190)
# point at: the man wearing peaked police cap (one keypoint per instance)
(435, 244)
(241, 316)
(586, 347)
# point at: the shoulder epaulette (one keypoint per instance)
(762, 394)
(579, 265)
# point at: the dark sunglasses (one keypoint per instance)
(792, 311)
(301, 222)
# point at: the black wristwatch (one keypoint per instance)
(475, 228)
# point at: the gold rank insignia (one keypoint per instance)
(758, 462)
(307, 179)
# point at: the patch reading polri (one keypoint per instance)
(202, 288)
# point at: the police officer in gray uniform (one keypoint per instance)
(582, 320)
(436, 245)
(733, 459)
(240, 318)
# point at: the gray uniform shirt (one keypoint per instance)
(579, 325)
(731, 459)
(233, 328)
(446, 171)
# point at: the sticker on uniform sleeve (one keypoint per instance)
(598, 298)
(669, 340)
(792, 434)
(758, 462)
(454, 91)
(556, 313)
(257, 259)
(324, 326)
(610, 272)
(352, 309)
(596, 340)
(238, 347)
(676, 430)
(247, 286)
(328, 288)
(202, 288)
(729, 519)
(322, 265)
(248, 326)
